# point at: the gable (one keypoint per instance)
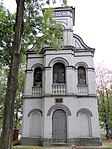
(79, 43)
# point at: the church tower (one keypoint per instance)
(60, 104)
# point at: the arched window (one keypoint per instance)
(36, 125)
(84, 122)
(59, 73)
(85, 125)
(38, 77)
(81, 75)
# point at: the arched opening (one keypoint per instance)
(59, 126)
(38, 77)
(59, 73)
(36, 125)
(81, 75)
(84, 123)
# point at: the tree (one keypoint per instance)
(19, 94)
(6, 137)
(50, 35)
(6, 36)
(18, 110)
(6, 40)
(3, 80)
(103, 78)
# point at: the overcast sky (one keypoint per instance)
(93, 23)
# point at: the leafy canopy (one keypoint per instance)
(39, 29)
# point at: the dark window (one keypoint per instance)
(38, 77)
(59, 73)
(81, 75)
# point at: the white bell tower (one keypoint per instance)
(60, 102)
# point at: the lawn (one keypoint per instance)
(27, 147)
(107, 144)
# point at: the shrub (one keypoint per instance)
(16, 142)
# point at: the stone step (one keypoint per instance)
(59, 144)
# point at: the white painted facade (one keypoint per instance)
(74, 99)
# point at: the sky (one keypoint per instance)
(93, 23)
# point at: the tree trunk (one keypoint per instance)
(8, 117)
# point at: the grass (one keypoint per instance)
(109, 144)
(27, 147)
(106, 143)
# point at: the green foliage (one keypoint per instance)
(19, 94)
(105, 107)
(104, 92)
(19, 99)
(39, 29)
(3, 80)
(6, 35)
(16, 142)
(107, 144)
(27, 147)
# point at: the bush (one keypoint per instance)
(16, 142)
(110, 135)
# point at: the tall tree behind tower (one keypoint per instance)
(6, 137)
(50, 33)
(104, 82)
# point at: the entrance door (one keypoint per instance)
(59, 126)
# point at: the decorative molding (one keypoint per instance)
(47, 68)
(37, 65)
(84, 110)
(34, 111)
(58, 59)
(81, 64)
(59, 106)
(79, 43)
(62, 13)
(28, 70)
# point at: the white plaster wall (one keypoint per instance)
(70, 102)
(84, 59)
(69, 80)
(30, 72)
(28, 83)
(69, 56)
(48, 119)
(91, 81)
(48, 81)
(34, 59)
(71, 74)
(69, 38)
(74, 104)
(67, 21)
(29, 104)
(91, 104)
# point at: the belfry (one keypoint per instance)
(60, 103)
